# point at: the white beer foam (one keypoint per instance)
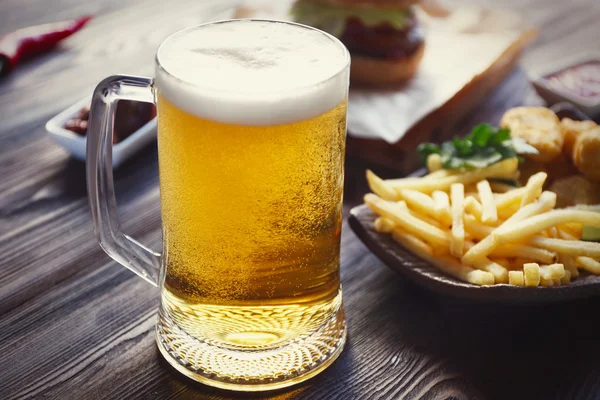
(252, 72)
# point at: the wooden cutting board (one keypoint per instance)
(437, 125)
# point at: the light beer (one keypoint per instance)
(251, 215)
(251, 137)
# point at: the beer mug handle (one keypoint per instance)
(101, 192)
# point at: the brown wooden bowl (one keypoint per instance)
(428, 276)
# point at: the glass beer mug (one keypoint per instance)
(251, 140)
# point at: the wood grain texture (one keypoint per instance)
(74, 325)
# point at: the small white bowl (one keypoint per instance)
(76, 145)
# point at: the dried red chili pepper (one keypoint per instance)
(34, 40)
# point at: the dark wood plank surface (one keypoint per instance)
(75, 325)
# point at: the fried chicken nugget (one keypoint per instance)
(539, 127)
(570, 130)
(586, 154)
(574, 190)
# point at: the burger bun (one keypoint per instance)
(368, 71)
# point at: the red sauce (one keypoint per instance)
(583, 80)
(130, 116)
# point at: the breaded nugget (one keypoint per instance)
(575, 190)
(539, 127)
(570, 130)
(586, 154)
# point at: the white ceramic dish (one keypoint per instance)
(589, 106)
(76, 145)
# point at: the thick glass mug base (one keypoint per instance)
(253, 368)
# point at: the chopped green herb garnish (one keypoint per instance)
(484, 146)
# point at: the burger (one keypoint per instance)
(384, 37)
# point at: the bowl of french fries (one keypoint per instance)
(467, 227)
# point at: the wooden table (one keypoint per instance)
(75, 325)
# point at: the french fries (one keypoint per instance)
(524, 251)
(563, 234)
(500, 273)
(446, 264)
(423, 217)
(516, 278)
(490, 242)
(506, 169)
(547, 282)
(434, 162)
(490, 213)
(380, 188)
(569, 263)
(538, 223)
(384, 225)
(531, 271)
(483, 232)
(457, 240)
(566, 278)
(510, 198)
(575, 248)
(499, 187)
(438, 174)
(533, 189)
(406, 221)
(473, 207)
(589, 264)
(441, 206)
(573, 229)
(475, 228)
(418, 201)
(553, 271)
(412, 241)
(505, 262)
(546, 202)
